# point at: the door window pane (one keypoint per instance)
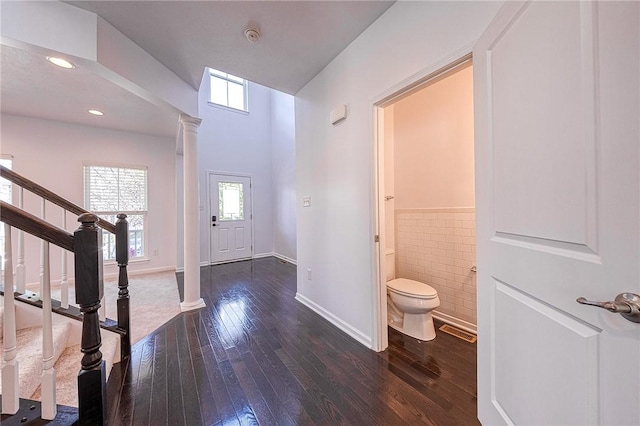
(230, 200)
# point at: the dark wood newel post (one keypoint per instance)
(122, 257)
(92, 379)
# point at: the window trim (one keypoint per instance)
(213, 73)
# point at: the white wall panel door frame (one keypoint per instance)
(230, 217)
(557, 112)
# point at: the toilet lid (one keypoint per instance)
(412, 288)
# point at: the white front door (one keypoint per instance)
(230, 217)
(557, 177)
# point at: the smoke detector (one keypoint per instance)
(252, 34)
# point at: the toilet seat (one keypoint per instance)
(412, 288)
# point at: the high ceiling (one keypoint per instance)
(298, 39)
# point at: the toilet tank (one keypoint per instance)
(390, 263)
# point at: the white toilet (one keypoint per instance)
(409, 303)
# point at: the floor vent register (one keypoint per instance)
(467, 337)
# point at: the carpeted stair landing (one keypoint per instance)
(67, 362)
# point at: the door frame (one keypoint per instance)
(209, 211)
(380, 338)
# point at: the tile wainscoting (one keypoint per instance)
(438, 247)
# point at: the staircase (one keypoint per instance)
(66, 354)
(50, 350)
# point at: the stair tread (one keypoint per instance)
(29, 344)
(67, 368)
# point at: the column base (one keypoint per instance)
(189, 306)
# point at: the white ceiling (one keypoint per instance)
(33, 87)
(299, 38)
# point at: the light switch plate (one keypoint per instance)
(306, 202)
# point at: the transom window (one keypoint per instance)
(228, 90)
(111, 190)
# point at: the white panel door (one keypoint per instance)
(230, 217)
(557, 179)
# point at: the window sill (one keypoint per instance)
(227, 108)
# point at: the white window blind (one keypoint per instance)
(111, 190)
(115, 189)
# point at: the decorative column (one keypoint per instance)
(191, 202)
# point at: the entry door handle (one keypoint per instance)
(213, 221)
(625, 304)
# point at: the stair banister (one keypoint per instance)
(10, 367)
(54, 198)
(64, 283)
(51, 196)
(122, 257)
(92, 392)
(33, 225)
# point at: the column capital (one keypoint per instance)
(186, 120)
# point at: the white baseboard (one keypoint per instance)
(285, 258)
(181, 268)
(135, 273)
(276, 255)
(456, 322)
(351, 331)
(262, 255)
(255, 256)
(143, 272)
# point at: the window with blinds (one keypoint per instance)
(111, 190)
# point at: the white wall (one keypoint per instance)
(52, 154)
(335, 164)
(283, 160)
(434, 145)
(233, 142)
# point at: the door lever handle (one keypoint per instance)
(625, 304)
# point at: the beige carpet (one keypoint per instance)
(154, 301)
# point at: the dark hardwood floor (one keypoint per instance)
(255, 355)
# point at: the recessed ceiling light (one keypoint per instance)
(96, 112)
(62, 63)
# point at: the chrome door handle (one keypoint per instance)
(625, 304)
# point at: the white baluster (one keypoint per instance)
(21, 274)
(64, 284)
(10, 383)
(49, 409)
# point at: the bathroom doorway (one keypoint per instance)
(425, 191)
